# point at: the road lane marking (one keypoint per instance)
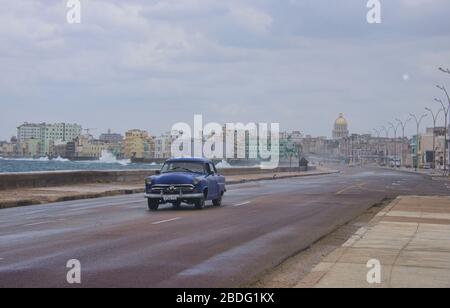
(167, 220)
(345, 189)
(241, 204)
(38, 223)
(357, 186)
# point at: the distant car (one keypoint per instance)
(188, 180)
(427, 166)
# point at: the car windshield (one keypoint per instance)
(183, 166)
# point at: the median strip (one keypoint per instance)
(167, 220)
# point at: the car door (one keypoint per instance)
(212, 182)
(220, 180)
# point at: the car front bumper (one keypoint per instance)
(174, 197)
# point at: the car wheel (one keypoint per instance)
(217, 202)
(153, 205)
(200, 204)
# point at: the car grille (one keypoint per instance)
(172, 189)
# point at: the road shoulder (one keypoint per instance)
(409, 239)
(295, 269)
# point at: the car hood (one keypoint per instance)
(175, 178)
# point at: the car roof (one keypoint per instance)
(190, 159)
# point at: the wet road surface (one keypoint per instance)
(121, 244)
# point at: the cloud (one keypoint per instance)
(251, 18)
(151, 63)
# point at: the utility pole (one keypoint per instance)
(418, 121)
(435, 116)
(403, 125)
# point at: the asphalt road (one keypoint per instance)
(121, 244)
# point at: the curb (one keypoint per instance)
(413, 172)
(119, 192)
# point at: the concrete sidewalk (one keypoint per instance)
(410, 238)
(30, 196)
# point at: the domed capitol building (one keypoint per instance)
(340, 128)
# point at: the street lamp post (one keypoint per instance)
(435, 116)
(418, 121)
(446, 111)
(403, 125)
(378, 143)
(383, 128)
(395, 128)
(447, 71)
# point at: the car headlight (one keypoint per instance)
(196, 181)
(148, 181)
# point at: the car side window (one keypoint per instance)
(208, 169)
(213, 167)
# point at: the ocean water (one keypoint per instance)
(44, 164)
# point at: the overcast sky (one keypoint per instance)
(149, 64)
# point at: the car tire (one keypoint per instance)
(200, 204)
(153, 205)
(218, 202)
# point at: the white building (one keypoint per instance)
(57, 133)
(163, 145)
(29, 131)
(47, 134)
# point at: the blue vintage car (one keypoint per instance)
(188, 180)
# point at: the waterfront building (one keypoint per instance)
(110, 137)
(28, 131)
(163, 145)
(93, 149)
(31, 148)
(340, 128)
(47, 134)
(57, 133)
(366, 148)
(138, 144)
(320, 147)
(7, 149)
(87, 147)
(426, 147)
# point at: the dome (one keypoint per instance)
(341, 120)
(340, 128)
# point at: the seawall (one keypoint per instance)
(62, 178)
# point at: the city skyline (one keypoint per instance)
(97, 133)
(232, 61)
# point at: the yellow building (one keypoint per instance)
(88, 147)
(138, 144)
(92, 150)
